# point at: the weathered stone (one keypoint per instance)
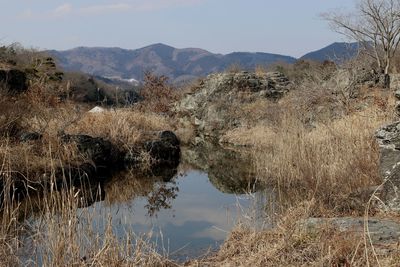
(209, 108)
(379, 231)
(97, 109)
(388, 138)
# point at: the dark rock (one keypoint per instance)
(13, 187)
(30, 136)
(170, 137)
(100, 151)
(77, 176)
(14, 80)
(165, 150)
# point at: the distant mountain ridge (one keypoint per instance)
(337, 52)
(178, 64)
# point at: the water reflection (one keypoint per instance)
(229, 171)
(197, 219)
(186, 211)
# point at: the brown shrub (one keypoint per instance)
(158, 94)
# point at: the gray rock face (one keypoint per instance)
(210, 107)
(380, 231)
(388, 138)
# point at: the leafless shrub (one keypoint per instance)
(158, 94)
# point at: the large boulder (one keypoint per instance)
(213, 107)
(13, 80)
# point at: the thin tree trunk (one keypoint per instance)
(386, 83)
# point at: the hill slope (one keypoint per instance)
(178, 64)
(336, 52)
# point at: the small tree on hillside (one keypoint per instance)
(375, 24)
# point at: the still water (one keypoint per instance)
(186, 212)
(195, 220)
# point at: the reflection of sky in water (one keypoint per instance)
(200, 217)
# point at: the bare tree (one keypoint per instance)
(375, 24)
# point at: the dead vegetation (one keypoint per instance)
(289, 244)
(315, 147)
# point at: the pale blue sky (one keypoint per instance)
(290, 27)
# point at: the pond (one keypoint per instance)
(196, 221)
(187, 213)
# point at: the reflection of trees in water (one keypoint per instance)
(161, 198)
(228, 170)
(157, 186)
(159, 190)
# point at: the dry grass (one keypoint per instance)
(47, 229)
(290, 244)
(313, 147)
(126, 126)
(59, 236)
(327, 162)
(32, 159)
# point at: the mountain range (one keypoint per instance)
(178, 64)
(337, 52)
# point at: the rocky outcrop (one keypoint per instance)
(388, 138)
(14, 81)
(350, 80)
(212, 108)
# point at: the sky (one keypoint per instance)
(288, 27)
